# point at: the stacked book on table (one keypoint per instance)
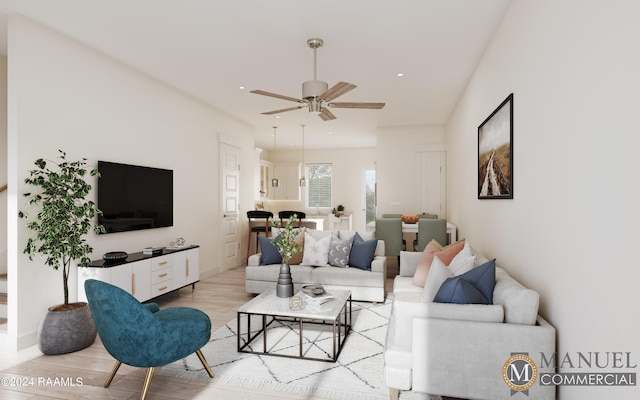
(317, 299)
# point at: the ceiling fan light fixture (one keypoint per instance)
(315, 106)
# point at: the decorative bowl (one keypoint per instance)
(410, 219)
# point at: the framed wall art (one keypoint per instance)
(495, 153)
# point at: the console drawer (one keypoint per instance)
(161, 275)
(160, 288)
(161, 262)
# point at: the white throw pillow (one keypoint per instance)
(464, 261)
(438, 273)
(316, 251)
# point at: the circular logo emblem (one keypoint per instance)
(519, 372)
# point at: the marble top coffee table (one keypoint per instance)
(271, 311)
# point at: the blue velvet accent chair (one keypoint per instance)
(142, 335)
(429, 228)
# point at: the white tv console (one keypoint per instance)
(145, 276)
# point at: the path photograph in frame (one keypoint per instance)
(495, 153)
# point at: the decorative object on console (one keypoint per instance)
(60, 225)
(495, 153)
(115, 256)
(338, 211)
(287, 247)
(150, 251)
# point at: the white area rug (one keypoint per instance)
(357, 375)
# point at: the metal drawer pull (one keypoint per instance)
(162, 288)
(162, 263)
(162, 275)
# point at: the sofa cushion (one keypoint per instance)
(269, 273)
(446, 255)
(365, 235)
(296, 258)
(520, 304)
(270, 254)
(316, 251)
(345, 277)
(362, 252)
(473, 287)
(438, 274)
(339, 251)
(463, 261)
(424, 263)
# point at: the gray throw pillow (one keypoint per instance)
(339, 251)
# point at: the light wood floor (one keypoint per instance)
(219, 296)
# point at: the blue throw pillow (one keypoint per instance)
(362, 252)
(473, 287)
(270, 253)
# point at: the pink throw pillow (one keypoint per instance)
(422, 269)
(444, 254)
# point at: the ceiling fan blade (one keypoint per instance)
(374, 106)
(337, 90)
(278, 96)
(326, 115)
(281, 110)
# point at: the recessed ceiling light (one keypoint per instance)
(400, 74)
(241, 87)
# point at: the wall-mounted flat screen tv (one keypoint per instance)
(133, 197)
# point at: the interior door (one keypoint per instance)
(432, 189)
(230, 190)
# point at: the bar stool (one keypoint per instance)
(255, 217)
(287, 214)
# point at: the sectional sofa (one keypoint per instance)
(365, 284)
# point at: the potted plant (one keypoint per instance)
(287, 247)
(64, 216)
(337, 211)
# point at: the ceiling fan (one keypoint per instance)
(316, 94)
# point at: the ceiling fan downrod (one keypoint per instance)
(312, 89)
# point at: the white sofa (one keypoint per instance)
(460, 350)
(364, 285)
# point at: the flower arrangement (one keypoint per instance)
(285, 242)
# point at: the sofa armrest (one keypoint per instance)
(409, 262)
(477, 351)
(254, 260)
(379, 264)
(466, 312)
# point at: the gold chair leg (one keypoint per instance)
(204, 362)
(113, 373)
(147, 383)
(393, 393)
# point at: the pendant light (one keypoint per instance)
(303, 181)
(274, 182)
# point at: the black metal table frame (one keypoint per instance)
(338, 337)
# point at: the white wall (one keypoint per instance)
(398, 186)
(3, 163)
(347, 174)
(569, 232)
(63, 95)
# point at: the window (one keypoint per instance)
(319, 186)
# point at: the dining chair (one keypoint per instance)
(428, 229)
(287, 214)
(258, 222)
(390, 230)
(391, 215)
(142, 335)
